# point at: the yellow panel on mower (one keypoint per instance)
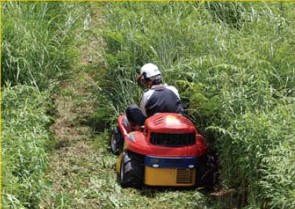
(169, 176)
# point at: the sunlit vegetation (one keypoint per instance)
(233, 64)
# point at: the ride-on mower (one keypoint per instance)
(167, 151)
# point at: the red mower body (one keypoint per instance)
(166, 135)
(167, 151)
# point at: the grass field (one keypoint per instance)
(68, 70)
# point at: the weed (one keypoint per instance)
(232, 64)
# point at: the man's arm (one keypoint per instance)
(144, 99)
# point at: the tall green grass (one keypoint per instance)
(25, 140)
(234, 64)
(38, 41)
(39, 49)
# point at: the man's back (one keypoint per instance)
(161, 98)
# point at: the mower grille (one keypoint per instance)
(173, 140)
(184, 176)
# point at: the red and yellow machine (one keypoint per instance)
(167, 151)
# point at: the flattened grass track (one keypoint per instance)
(81, 174)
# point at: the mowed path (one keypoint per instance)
(81, 174)
(78, 158)
(75, 158)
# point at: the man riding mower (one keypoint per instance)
(157, 145)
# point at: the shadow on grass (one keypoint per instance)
(221, 199)
(151, 191)
(96, 124)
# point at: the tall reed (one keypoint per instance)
(38, 41)
(233, 63)
(39, 49)
(25, 140)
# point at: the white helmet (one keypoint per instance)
(149, 70)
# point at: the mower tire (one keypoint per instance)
(131, 170)
(207, 172)
(116, 141)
